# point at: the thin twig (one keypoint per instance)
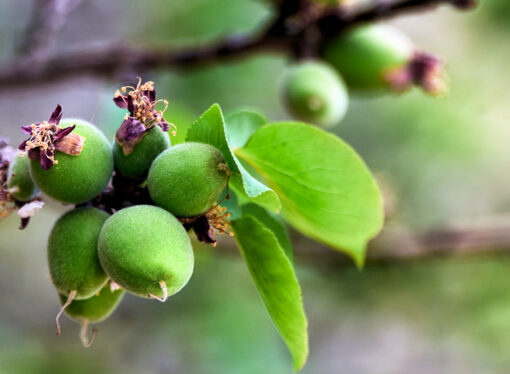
(281, 36)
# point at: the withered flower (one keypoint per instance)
(8, 203)
(7, 154)
(204, 226)
(423, 70)
(47, 137)
(140, 101)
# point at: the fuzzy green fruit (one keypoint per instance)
(146, 250)
(365, 55)
(76, 179)
(314, 92)
(188, 179)
(94, 309)
(20, 183)
(136, 164)
(72, 253)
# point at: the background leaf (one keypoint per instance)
(276, 282)
(326, 190)
(210, 129)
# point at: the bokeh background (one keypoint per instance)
(445, 160)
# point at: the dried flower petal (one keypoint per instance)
(129, 134)
(56, 116)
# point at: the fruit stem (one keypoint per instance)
(87, 343)
(165, 293)
(70, 299)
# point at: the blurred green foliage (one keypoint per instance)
(443, 159)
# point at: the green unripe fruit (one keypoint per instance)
(94, 309)
(20, 183)
(146, 250)
(365, 55)
(188, 179)
(136, 164)
(72, 253)
(76, 179)
(315, 92)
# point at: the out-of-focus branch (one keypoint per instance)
(48, 17)
(399, 245)
(282, 36)
(396, 246)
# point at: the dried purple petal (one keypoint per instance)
(56, 116)
(46, 161)
(63, 132)
(23, 145)
(121, 101)
(202, 229)
(33, 154)
(150, 94)
(27, 129)
(165, 126)
(129, 134)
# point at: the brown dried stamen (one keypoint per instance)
(218, 219)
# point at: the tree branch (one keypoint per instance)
(400, 246)
(281, 36)
(48, 18)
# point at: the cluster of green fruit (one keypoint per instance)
(367, 58)
(95, 256)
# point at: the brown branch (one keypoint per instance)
(401, 246)
(282, 36)
(48, 18)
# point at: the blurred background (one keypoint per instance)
(444, 160)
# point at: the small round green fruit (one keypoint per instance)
(72, 253)
(20, 183)
(187, 179)
(146, 250)
(76, 179)
(365, 55)
(94, 309)
(314, 92)
(136, 164)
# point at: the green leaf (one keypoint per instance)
(210, 129)
(326, 190)
(276, 283)
(241, 124)
(273, 223)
